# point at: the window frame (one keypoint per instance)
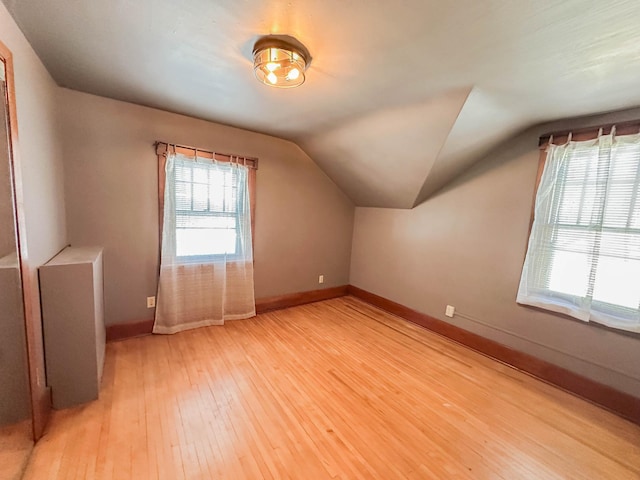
(163, 149)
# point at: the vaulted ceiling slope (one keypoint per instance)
(401, 95)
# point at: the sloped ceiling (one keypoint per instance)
(382, 157)
(401, 96)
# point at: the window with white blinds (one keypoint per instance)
(208, 208)
(583, 257)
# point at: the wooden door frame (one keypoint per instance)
(39, 392)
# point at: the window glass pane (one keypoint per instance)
(616, 211)
(634, 221)
(618, 269)
(200, 173)
(617, 282)
(577, 239)
(216, 183)
(190, 220)
(578, 181)
(620, 244)
(569, 273)
(183, 196)
(570, 204)
(206, 206)
(200, 197)
(183, 172)
(589, 214)
(200, 242)
(624, 162)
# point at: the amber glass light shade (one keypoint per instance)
(279, 64)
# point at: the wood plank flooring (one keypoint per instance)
(16, 443)
(336, 389)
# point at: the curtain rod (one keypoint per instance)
(253, 161)
(588, 133)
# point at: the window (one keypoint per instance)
(583, 257)
(208, 208)
(206, 204)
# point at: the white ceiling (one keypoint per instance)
(401, 96)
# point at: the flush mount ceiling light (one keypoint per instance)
(280, 61)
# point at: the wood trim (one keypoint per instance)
(622, 128)
(542, 161)
(618, 402)
(40, 393)
(163, 147)
(162, 163)
(129, 330)
(145, 327)
(300, 298)
(252, 206)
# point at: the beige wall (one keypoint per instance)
(14, 394)
(41, 162)
(465, 247)
(303, 221)
(7, 232)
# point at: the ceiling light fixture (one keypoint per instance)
(280, 61)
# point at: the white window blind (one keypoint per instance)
(583, 258)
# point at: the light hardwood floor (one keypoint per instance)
(336, 389)
(16, 442)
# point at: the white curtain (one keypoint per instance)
(206, 270)
(583, 258)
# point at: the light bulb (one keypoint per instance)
(272, 66)
(294, 73)
(272, 78)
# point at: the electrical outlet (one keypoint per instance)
(151, 302)
(450, 311)
(321, 279)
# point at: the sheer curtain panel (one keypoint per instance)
(583, 258)
(206, 268)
